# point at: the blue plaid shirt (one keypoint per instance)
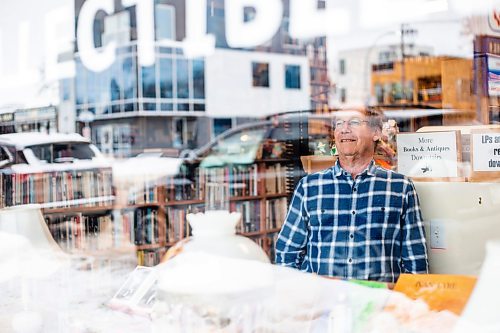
(367, 228)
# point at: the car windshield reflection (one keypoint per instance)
(238, 148)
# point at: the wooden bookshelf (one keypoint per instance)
(258, 191)
(81, 209)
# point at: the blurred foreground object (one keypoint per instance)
(28, 221)
(482, 309)
(28, 253)
(198, 292)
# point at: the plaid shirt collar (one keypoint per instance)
(370, 170)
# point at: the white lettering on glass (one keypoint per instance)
(197, 42)
(259, 29)
(307, 21)
(145, 30)
(91, 58)
(53, 39)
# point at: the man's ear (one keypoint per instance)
(376, 136)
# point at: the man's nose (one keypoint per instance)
(345, 127)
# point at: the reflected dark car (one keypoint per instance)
(276, 144)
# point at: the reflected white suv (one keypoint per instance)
(38, 152)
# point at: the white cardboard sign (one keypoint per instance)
(428, 155)
(486, 148)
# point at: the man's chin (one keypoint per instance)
(348, 154)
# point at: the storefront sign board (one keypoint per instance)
(430, 155)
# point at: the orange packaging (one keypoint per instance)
(439, 291)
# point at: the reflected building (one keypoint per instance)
(430, 81)
(180, 102)
(353, 71)
(18, 119)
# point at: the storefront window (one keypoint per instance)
(349, 140)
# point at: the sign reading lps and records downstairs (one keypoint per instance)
(485, 153)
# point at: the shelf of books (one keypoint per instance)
(76, 204)
(58, 189)
(156, 216)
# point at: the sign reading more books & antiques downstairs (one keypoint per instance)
(431, 155)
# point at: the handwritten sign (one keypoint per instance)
(486, 147)
(428, 155)
(485, 154)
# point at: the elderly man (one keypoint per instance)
(354, 220)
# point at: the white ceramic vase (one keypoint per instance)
(214, 233)
(209, 279)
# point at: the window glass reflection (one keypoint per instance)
(90, 86)
(239, 147)
(260, 74)
(198, 79)
(165, 22)
(148, 81)
(80, 91)
(115, 84)
(166, 86)
(129, 78)
(292, 76)
(182, 78)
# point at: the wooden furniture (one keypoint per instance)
(155, 219)
(314, 163)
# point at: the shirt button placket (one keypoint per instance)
(352, 227)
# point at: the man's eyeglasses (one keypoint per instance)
(354, 122)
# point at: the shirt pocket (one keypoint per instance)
(383, 213)
(384, 222)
